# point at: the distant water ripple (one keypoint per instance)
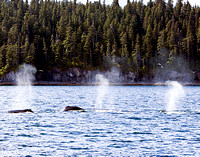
(130, 124)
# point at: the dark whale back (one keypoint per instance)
(20, 111)
(73, 108)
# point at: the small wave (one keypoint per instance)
(79, 148)
(135, 118)
(24, 135)
(142, 133)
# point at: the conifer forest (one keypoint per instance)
(142, 38)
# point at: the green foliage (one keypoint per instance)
(68, 34)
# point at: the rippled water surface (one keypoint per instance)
(121, 121)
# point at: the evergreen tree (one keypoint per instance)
(67, 34)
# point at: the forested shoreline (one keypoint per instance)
(150, 41)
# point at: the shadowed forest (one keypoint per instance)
(143, 39)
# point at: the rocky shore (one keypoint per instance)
(76, 76)
(45, 83)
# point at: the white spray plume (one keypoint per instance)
(175, 93)
(102, 90)
(25, 75)
(24, 78)
(102, 81)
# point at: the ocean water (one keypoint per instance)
(119, 121)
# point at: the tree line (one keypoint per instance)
(138, 38)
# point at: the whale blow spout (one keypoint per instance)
(21, 111)
(73, 108)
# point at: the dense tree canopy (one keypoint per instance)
(64, 34)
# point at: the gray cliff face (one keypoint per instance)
(76, 76)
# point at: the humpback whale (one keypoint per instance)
(20, 111)
(73, 108)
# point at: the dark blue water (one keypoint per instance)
(127, 122)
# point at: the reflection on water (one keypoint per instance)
(135, 127)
